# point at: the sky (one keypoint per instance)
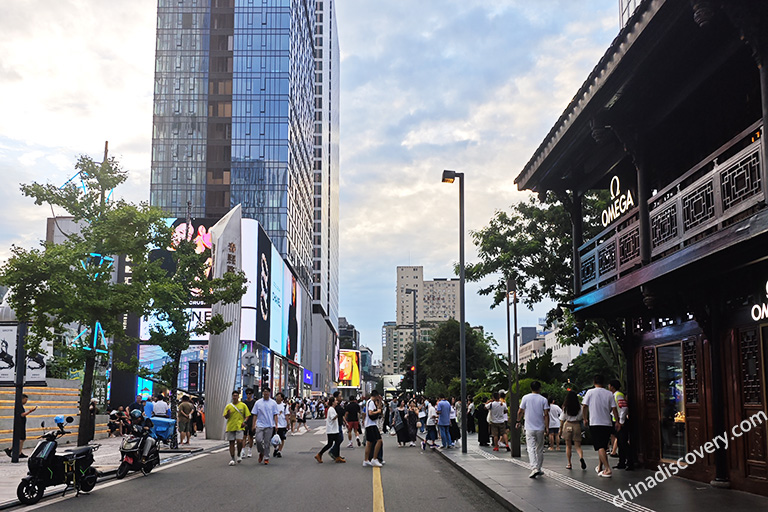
(426, 85)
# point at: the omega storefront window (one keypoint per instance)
(671, 401)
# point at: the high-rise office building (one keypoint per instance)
(234, 116)
(246, 112)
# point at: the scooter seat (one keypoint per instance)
(74, 453)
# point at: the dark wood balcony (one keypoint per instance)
(721, 191)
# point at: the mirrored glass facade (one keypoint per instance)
(234, 115)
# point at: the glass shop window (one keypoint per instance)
(671, 400)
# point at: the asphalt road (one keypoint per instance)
(411, 480)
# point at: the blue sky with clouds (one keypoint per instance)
(425, 85)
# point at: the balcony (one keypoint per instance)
(720, 191)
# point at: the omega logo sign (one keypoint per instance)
(760, 311)
(621, 203)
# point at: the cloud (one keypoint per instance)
(468, 85)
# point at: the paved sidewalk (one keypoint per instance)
(106, 460)
(506, 479)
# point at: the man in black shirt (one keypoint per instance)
(249, 401)
(136, 405)
(353, 420)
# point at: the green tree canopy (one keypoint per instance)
(59, 287)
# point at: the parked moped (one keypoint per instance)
(73, 467)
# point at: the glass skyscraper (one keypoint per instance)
(234, 116)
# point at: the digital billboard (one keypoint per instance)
(349, 369)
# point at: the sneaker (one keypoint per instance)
(22, 455)
(533, 474)
(231, 463)
(249, 454)
(583, 464)
(411, 444)
(319, 458)
(367, 463)
(340, 460)
(539, 473)
(508, 448)
(266, 462)
(383, 462)
(423, 445)
(350, 445)
(495, 448)
(239, 459)
(375, 463)
(279, 455)
(274, 453)
(358, 442)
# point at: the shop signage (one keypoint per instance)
(760, 311)
(621, 203)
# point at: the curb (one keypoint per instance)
(105, 476)
(485, 487)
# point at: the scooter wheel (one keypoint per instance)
(29, 492)
(88, 481)
(122, 470)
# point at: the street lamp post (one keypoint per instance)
(415, 363)
(514, 398)
(450, 177)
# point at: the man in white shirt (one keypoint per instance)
(535, 409)
(373, 412)
(265, 413)
(554, 425)
(498, 425)
(282, 422)
(597, 405)
(160, 407)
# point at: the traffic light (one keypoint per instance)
(413, 368)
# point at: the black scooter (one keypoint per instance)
(131, 453)
(73, 467)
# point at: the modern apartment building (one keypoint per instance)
(436, 300)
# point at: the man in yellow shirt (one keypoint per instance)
(235, 413)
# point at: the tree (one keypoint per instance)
(533, 245)
(442, 360)
(543, 369)
(70, 284)
(598, 360)
(172, 291)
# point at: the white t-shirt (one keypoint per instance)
(554, 415)
(265, 411)
(497, 411)
(331, 425)
(534, 406)
(160, 408)
(600, 402)
(282, 410)
(431, 415)
(575, 419)
(370, 406)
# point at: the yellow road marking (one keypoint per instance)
(378, 491)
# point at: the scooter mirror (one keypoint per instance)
(42, 424)
(69, 419)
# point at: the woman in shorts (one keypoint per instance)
(570, 427)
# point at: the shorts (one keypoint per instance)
(572, 431)
(498, 429)
(185, 426)
(601, 436)
(554, 430)
(236, 435)
(281, 432)
(353, 426)
(372, 434)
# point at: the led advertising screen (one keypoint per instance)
(276, 295)
(349, 369)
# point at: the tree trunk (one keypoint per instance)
(174, 385)
(84, 430)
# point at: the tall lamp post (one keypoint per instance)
(450, 177)
(415, 363)
(514, 398)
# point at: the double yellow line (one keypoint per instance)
(378, 491)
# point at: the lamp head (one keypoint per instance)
(449, 176)
(511, 285)
(410, 290)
